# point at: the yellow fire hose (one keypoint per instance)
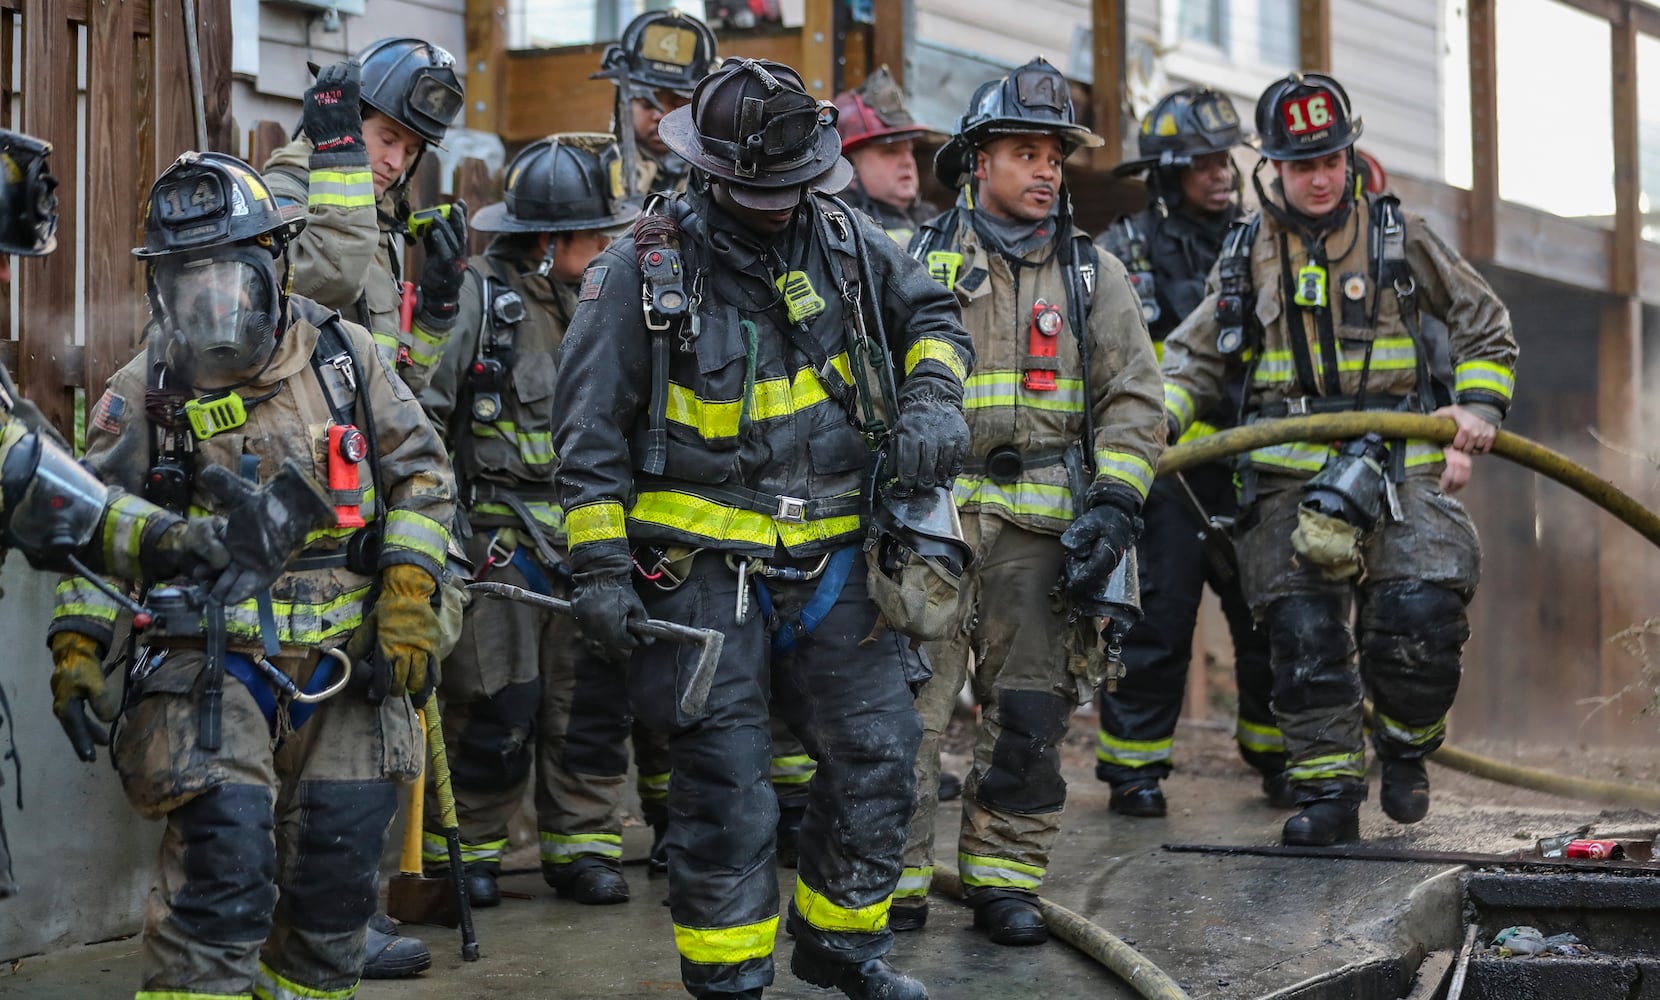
(1530, 454)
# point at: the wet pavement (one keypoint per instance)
(1226, 928)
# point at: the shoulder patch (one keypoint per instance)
(106, 416)
(593, 280)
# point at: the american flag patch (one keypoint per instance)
(593, 280)
(106, 416)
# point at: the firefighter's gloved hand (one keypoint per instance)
(406, 633)
(77, 682)
(446, 265)
(191, 548)
(604, 602)
(265, 526)
(333, 116)
(931, 437)
(1098, 539)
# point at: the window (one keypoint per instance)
(1204, 21)
(1277, 25)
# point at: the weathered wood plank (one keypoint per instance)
(113, 301)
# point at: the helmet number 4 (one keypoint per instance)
(1308, 113)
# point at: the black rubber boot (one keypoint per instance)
(904, 917)
(389, 955)
(1011, 920)
(1405, 793)
(1279, 791)
(951, 786)
(482, 890)
(1137, 798)
(658, 863)
(872, 979)
(1323, 823)
(591, 884)
(789, 835)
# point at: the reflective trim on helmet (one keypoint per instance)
(601, 521)
(726, 945)
(1110, 749)
(823, 914)
(986, 389)
(933, 349)
(721, 419)
(1484, 375)
(979, 871)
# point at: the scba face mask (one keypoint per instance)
(223, 309)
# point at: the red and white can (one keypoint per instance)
(1597, 850)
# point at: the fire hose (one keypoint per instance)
(1526, 453)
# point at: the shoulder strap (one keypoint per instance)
(1237, 324)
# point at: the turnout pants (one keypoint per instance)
(1138, 720)
(1022, 646)
(270, 858)
(524, 698)
(1410, 629)
(849, 702)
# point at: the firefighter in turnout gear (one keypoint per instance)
(276, 786)
(718, 441)
(879, 138)
(367, 122)
(1169, 249)
(659, 59)
(1064, 408)
(521, 696)
(1318, 302)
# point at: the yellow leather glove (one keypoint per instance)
(78, 679)
(406, 626)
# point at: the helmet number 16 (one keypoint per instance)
(1308, 113)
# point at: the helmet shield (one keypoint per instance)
(223, 309)
(28, 202)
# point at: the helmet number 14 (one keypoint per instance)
(1308, 113)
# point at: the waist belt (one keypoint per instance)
(793, 510)
(493, 492)
(335, 559)
(1004, 465)
(1328, 404)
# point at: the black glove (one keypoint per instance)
(265, 527)
(1098, 539)
(605, 604)
(333, 116)
(931, 436)
(446, 246)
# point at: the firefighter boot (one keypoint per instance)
(872, 979)
(658, 863)
(590, 881)
(389, 955)
(904, 917)
(1137, 798)
(1011, 920)
(1323, 823)
(482, 891)
(1277, 787)
(1405, 793)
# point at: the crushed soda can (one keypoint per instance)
(1596, 850)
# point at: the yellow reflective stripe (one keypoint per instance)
(185, 995)
(1485, 375)
(933, 349)
(426, 348)
(715, 419)
(1420, 452)
(548, 515)
(124, 521)
(1158, 351)
(1198, 430)
(1179, 403)
(562, 849)
(595, 522)
(1298, 455)
(1411, 735)
(653, 786)
(703, 518)
(821, 913)
(405, 529)
(1338, 765)
(1388, 354)
(436, 848)
(1021, 498)
(998, 873)
(78, 598)
(299, 623)
(988, 389)
(795, 770)
(1258, 738)
(268, 985)
(1109, 749)
(914, 882)
(535, 447)
(726, 945)
(1125, 467)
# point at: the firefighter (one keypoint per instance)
(367, 122)
(715, 440)
(1067, 426)
(520, 695)
(276, 804)
(879, 138)
(1185, 150)
(655, 65)
(1321, 311)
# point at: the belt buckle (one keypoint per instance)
(1296, 407)
(791, 510)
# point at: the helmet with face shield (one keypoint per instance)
(28, 204)
(213, 234)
